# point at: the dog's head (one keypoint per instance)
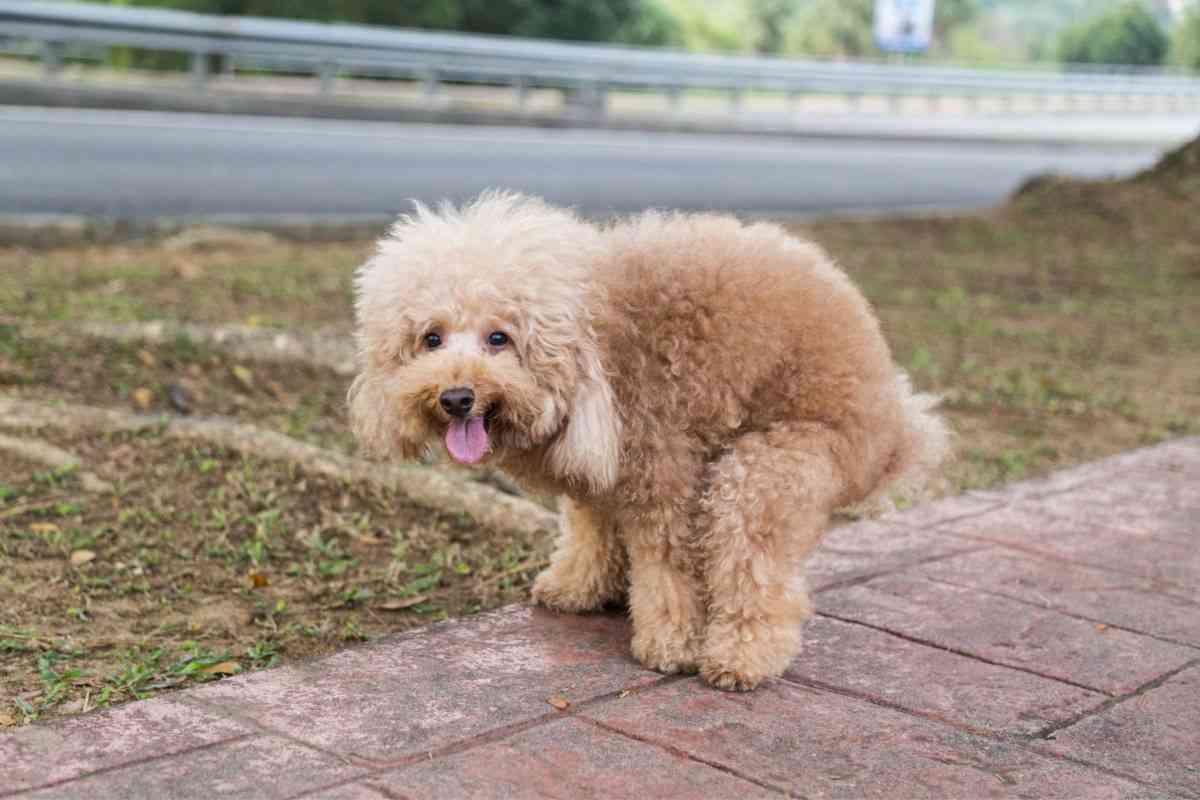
(474, 331)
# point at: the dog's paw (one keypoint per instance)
(667, 651)
(552, 590)
(735, 662)
(729, 680)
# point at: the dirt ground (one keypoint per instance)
(1060, 328)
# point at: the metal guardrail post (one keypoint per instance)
(51, 53)
(675, 100)
(430, 86)
(328, 77)
(521, 92)
(199, 70)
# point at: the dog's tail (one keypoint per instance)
(926, 446)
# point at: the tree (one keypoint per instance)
(846, 27)
(633, 21)
(1185, 42)
(837, 28)
(1129, 34)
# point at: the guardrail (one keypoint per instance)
(586, 73)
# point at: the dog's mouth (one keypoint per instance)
(468, 439)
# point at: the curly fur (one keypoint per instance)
(702, 392)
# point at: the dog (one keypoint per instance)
(701, 393)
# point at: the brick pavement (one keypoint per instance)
(1037, 641)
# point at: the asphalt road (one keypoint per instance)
(146, 164)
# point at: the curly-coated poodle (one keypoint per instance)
(701, 393)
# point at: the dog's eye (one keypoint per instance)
(498, 338)
(433, 341)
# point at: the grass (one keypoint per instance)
(1060, 329)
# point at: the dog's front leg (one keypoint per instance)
(665, 592)
(588, 568)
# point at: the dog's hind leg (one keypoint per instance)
(765, 507)
(588, 568)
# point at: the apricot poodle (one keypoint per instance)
(702, 393)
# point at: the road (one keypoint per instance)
(145, 164)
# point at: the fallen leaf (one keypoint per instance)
(44, 527)
(400, 605)
(82, 557)
(147, 358)
(243, 376)
(275, 390)
(559, 702)
(181, 399)
(143, 398)
(258, 580)
(1101, 627)
(224, 668)
(7, 720)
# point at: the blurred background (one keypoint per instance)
(764, 106)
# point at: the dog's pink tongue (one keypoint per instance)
(467, 440)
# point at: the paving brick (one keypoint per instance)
(1154, 737)
(1163, 462)
(1007, 632)
(932, 681)
(866, 548)
(1146, 504)
(59, 751)
(821, 744)
(1173, 564)
(567, 758)
(359, 790)
(1101, 595)
(257, 768)
(425, 689)
(925, 515)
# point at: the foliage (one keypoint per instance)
(1185, 40)
(845, 28)
(835, 28)
(633, 21)
(1128, 34)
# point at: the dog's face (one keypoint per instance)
(474, 332)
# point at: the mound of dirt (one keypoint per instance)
(1181, 165)
(1170, 187)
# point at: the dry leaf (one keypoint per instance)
(400, 605)
(82, 557)
(243, 376)
(143, 398)
(7, 720)
(559, 702)
(147, 358)
(258, 580)
(1101, 627)
(224, 668)
(44, 527)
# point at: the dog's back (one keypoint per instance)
(715, 328)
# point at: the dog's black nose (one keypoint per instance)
(457, 402)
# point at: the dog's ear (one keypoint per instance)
(380, 430)
(589, 449)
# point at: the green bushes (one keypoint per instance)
(1128, 34)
